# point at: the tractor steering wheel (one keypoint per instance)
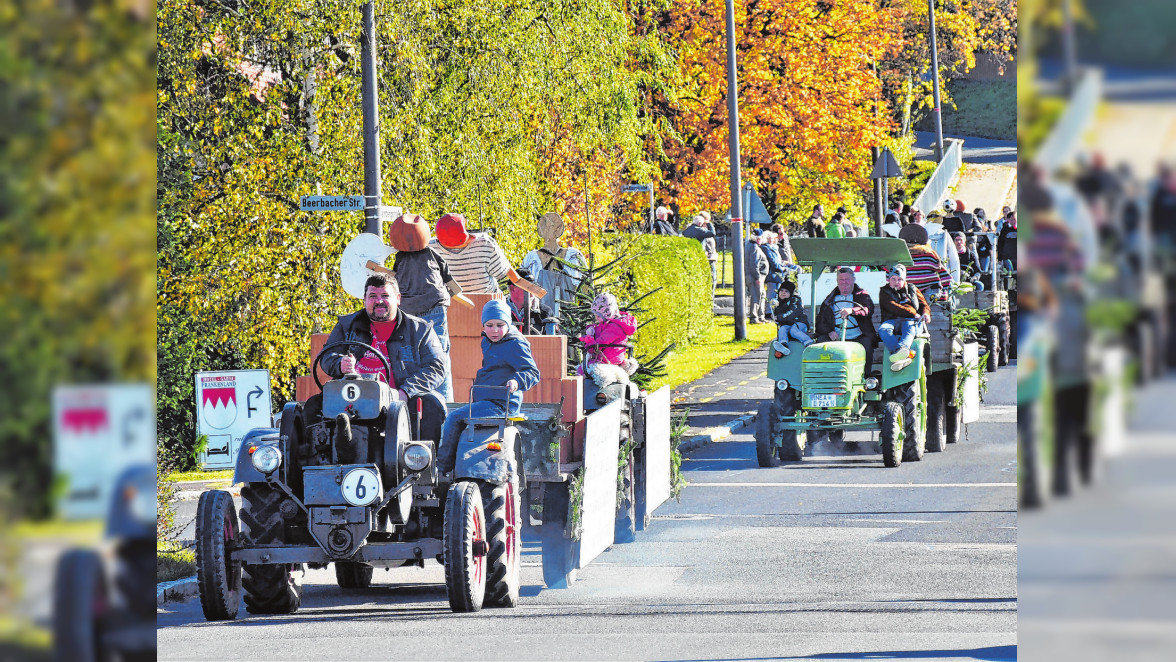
(319, 358)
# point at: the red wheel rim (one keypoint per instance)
(478, 561)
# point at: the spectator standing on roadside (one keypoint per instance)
(782, 243)
(815, 225)
(702, 230)
(662, 224)
(755, 271)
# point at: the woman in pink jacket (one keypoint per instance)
(605, 341)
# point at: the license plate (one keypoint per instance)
(824, 400)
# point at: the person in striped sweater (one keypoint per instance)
(927, 271)
(475, 261)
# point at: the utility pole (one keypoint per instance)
(1069, 48)
(371, 124)
(736, 198)
(935, 84)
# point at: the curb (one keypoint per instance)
(175, 591)
(716, 433)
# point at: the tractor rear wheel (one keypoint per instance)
(891, 435)
(765, 450)
(269, 589)
(503, 525)
(351, 574)
(937, 399)
(465, 547)
(218, 577)
(79, 594)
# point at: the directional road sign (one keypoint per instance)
(228, 405)
(331, 203)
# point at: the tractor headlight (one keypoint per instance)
(871, 383)
(417, 457)
(782, 384)
(141, 503)
(266, 459)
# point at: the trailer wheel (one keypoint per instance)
(269, 589)
(352, 575)
(503, 534)
(559, 550)
(1003, 355)
(891, 435)
(992, 346)
(625, 527)
(218, 577)
(465, 547)
(954, 424)
(79, 597)
(1033, 481)
(937, 398)
(765, 450)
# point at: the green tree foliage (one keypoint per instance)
(76, 266)
(498, 110)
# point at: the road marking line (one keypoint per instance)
(853, 485)
(705, 399)
(744, 383)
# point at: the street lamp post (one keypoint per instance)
(736, 198)
(371, 124)
(935, 86)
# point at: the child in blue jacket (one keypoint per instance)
(790, 316)
(506, 361)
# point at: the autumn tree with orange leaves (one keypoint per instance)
(810, 103)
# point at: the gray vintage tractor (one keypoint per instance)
(350, 478)
(104, 604)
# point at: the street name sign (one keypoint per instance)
(331, 203)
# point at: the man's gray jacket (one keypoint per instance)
(418, 362)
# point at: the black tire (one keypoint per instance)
(503, 564)
(794, 445)
(353, 575)
(625, 526)
(765, 450)
(911, 399)
(1005, 341)
(1013, 331)
(954, 424)
(891, 435)
(78, 588)
(269, 589)
(1144, 351)
(218, 577)
(992, 345)
(937, 399)
(558, 550)
(465, 563)
(1033, 482)
(134, 576)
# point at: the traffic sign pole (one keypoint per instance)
(736, 206)
(371, 124)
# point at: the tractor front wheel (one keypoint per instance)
(465, 547)
(891, 435)
(79, 597)
(912, 398)
(765, 450)
(218, 577)
(937, 399)
(992, 346)
(503, 533)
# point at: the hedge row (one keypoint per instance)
(681, 310)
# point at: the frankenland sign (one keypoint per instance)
(331, 203)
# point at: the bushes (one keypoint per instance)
(681, 310)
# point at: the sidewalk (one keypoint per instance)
(987, 186)
(724, 400)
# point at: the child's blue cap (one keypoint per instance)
(495, 310)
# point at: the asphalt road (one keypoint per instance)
(976, 150)
(833, 558)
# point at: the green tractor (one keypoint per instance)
(821, 389)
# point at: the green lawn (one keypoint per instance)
(174, 562)
(984, 109)
(186, 476)
(77, 532)
(688, 363)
